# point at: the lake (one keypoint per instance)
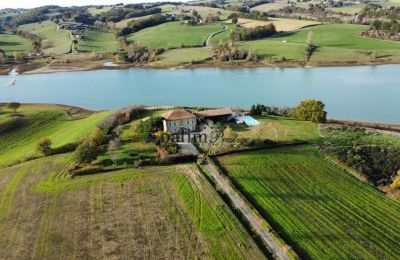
(368, 93)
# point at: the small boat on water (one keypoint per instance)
(13, 83)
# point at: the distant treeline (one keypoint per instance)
(255, 15)
(376, 11)
(134, 26)
(249, 34)
(385, 30)
(33, 15)
(118, 14)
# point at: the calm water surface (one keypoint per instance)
(357, 93)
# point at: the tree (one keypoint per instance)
(36, 45)
(310, 110)
(3, 57)
(234, 20)
(229, 134)
(253, 110)
(97, 136)
(309, 46)
(75, 45)
(86, 153)
(234, 36)
(44, 147)
(14, 106)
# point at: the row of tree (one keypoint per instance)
(137, 25)
(249, 34)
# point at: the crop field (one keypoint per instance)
(149, 213)
(177, 57)
(97, 40)
(54, 41)
(281, 24)
(287, 129)
(11, 43)
(173, 35)
(19, 135)
(319, 209)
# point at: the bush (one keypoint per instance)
(86, 153)
(70, 147)
(43, 147)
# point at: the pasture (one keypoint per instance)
(281, 24)
(19, 134)
(11, 43)
(173, 35)
(153, 212)
(319, 209)
(54, 41)
(97, 40)
(178, 57)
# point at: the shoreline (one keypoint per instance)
(31, 69)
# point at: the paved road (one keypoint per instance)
(280, 251)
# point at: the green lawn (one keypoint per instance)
(177, 57)
(287, 129)
(322, 211)
(54, 41)
(97, 40)
(173, 35)
(18, 136)
(11, 43)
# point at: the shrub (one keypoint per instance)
(396, 182)
(86, 153)
(43, 147)
(14, 106)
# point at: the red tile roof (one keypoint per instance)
(215, 112)
(178, 114)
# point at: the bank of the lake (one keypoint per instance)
(366, 93)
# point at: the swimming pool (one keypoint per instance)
(250, 121)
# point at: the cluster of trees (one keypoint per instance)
(142, 132)
(378, 162)
(36, 40)
(33, 15)
(251, 4)
(249, 34)
(310, 110)
(376, 11)
(237, 8)
(138, 25)
(260, 109)
(135, 53)
(386, 30)
(262, 16)
(228, 52)
(117, 14)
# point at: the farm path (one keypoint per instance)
(257, 222)
(207, 42)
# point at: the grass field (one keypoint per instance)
(287, 129)
(150, 213)
(54, 41)
(19, 135)
(336, 43)
(177, 57)
(11, 43)
(204, 11)
(173, 35)
(322, 211)
(97, 40)
(281, 24)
